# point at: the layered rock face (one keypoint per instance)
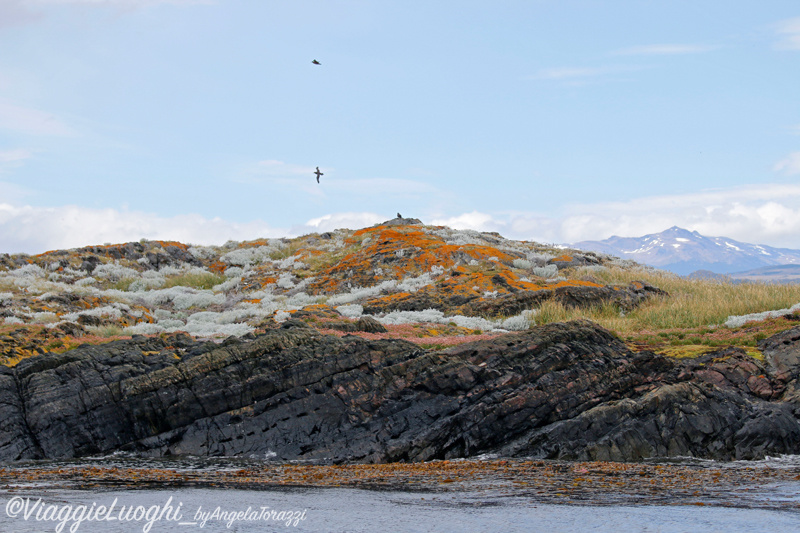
(568, 391)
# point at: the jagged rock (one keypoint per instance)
(368, 324)
(342, 325)
(72, 329)
(626, 298)
(562, 390)
(401, 221)
(293, 323)
(89, 320)
(574, 259)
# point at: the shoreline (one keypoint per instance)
(541, 481)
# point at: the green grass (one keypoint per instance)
(204, 280)
(696, 303)
(692, 314)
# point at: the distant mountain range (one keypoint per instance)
(684, 252)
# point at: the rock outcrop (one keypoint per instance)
(570, 391)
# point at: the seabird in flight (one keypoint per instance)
(318, 173)
(316, 62)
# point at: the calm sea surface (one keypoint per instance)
(49, 507)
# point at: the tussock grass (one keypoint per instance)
(123, 284)
(196, 280)
(693, 310)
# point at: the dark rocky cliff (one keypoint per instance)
(560, 391)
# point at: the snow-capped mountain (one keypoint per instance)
(683, 252)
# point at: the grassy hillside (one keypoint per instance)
(432, 285)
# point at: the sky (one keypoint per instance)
(554, 121)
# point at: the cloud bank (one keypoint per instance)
(759, 214)
(30, 229)
(788, 34)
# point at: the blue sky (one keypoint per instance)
(555, 121)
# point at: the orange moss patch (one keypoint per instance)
(399, 252)
(218, 267)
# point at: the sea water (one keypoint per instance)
(356, 511)
(29, 507)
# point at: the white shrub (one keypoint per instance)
(437, 317)
(28, 271)
(291, 263)
(145, 284)
(143, 328)
(203, 252)
(285, 280)
(253, 255)
(358, 293)
(197, 299)
(104, 311)
(411, 317)
(351, 310)
(44, 317)
(547, 272)
(301, 300)
(523, 264)
(282, 316)
(114, 271)
(180, 297)
(472, 322)
(172, 324)
(414, 284)
(736, 321)
(230, 285)
(519, 322)
(234, 272)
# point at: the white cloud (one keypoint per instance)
(563, 73)
(790, 165)
(473, 220)
(15, 12)
(13, 156)
(337, 221)
(18, 12)
(11, 159)
(666, 49)
(37, 229)
(273, 167)
(581, 75)
(31, 121)
(789, 34)
(759, 214)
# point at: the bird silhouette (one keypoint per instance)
(318, 173)
(316, 62)
(399, 215)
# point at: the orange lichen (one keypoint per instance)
(399, 252)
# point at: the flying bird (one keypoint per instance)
(316, 62)
(318, 173)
